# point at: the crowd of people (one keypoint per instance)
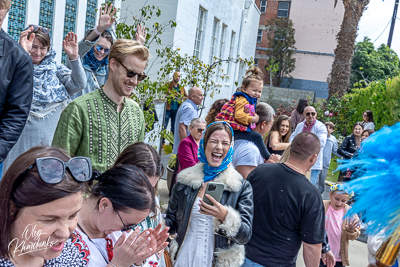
(79, 186)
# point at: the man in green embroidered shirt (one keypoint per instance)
(101, 124)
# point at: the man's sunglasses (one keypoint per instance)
(311, 114)
(131, 73)
(126, 228)
(100, 48)
(38, 27)
(52, 170)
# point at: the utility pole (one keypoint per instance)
(396, 5)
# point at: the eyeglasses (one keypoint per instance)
(52, 170)
(311, 114)
(100, 48)
(126, 228)
(200, 130)
(131, 73)
(37, 27)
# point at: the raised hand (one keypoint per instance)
(106, 18)
(352, 225)
(70, 45)
(24, 41)
(141, 34)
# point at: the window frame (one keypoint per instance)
(283, 10)
(263, 6)
(199, 32)
(259, 36)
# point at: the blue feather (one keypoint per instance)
(377, 188)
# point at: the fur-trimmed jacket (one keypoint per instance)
(230, 235)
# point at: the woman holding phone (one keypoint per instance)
(226, 225)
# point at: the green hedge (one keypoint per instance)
(381, 97)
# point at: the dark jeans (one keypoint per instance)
(170, 114)
(321, 180)
(1, 170)
(337, 264)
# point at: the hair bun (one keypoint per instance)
(254, 71)
(96, 175)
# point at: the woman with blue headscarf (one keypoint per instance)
(215, 234)
(96, 45)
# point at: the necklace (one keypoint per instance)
(295, 168)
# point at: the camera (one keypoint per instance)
(212, 187)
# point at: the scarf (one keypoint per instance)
(93, 62)
(48, 90)
(309, 127)
(211, 172)
(252, 100)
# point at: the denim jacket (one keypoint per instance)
(94, 79)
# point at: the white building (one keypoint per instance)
(206, 28)
(60, 16)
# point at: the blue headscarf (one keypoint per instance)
(93, 62)
(211, 172)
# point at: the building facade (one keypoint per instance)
(317, 23)
(60, 16)
(207, 29)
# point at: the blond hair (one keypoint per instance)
(125, 47)
(330, 124)
(253, 74)
(5, 4)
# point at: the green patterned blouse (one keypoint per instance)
(90, 126)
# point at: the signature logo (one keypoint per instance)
(21, 247)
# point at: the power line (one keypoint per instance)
(382, 31)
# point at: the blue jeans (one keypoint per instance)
(249, 263)
(1, 170)
(314, 177)
(170, 114)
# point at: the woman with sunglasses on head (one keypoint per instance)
(146, 158)
(278, 137)
(53, 86)
(121, 199)
(211, 235)
(41, 195)
(96, 45)
(368, 120)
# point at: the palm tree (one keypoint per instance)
(341, 67)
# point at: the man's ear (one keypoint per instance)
(314, 158)
(112, 64)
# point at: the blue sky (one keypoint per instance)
(374, 20)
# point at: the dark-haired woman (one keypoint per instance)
(40, 201)
(349, 147)
(368, 120)
(215, 109)
(96, 45)
(211, 235)
(297, 114)
(146, 158)
(278, 138)
(53, 86)
(121, 199)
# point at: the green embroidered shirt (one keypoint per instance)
(90, 126)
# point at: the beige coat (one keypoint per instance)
(345, 236)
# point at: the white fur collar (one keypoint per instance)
(194, 176)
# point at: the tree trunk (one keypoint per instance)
(341, 67)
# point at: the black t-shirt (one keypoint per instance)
(288, 209)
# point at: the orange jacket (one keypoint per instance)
(171, 92)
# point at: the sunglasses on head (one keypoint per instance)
(310, 113)
(52, 170)
(38, 27)
(100, 48)
(131, 73)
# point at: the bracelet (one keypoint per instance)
(112, 264)
(96, 31)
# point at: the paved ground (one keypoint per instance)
(357, 251)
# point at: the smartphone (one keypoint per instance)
(215, 190)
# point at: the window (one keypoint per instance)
(199, 33)
(259, 36)
(222, 41)
(283, 9)
(213, 40)
(263, 6)
(256, 62)
(231, 51)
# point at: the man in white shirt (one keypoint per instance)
(246, 156)
(311, 124)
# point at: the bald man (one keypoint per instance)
(311, 124)
(186, 113)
